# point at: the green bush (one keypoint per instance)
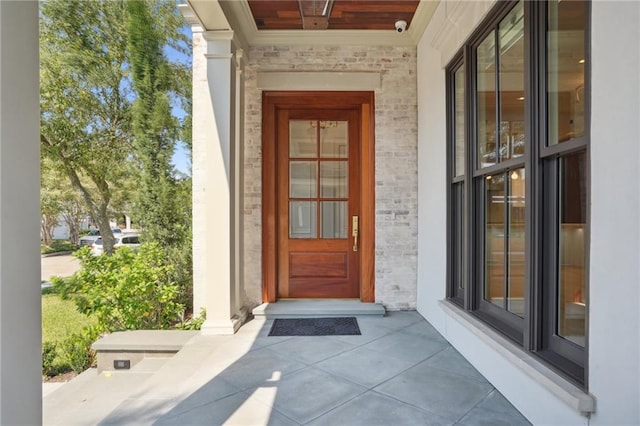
(125, 291)
(76, 353)
(71, 354)
(194, 323)
(50, 363)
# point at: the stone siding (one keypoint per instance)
(396, 159)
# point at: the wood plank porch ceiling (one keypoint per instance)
(343, 14)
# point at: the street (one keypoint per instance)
(61, 266)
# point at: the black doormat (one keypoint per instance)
(343, 326)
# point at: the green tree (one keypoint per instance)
(155, 129)
(85, 99)
(58, 200)
(73, 213)
(50, 205)
(163, 201)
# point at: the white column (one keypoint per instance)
(238, 173)
(215, 177)
(20, 317)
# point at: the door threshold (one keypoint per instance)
(317, 308)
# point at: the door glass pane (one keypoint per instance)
(333, 222)
(495, 269)
(511, 44)
(303, 179)
(303, 139)
(565, 70)
(572, 301)
(486, 86)
(302, 219)
(459, 121)
(334, 139)
(516, 242)
(333, 179)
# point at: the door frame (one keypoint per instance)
(363, 102)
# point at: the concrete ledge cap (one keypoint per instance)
(567, 392)
(144, 340)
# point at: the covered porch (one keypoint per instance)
(400, 370)
(410, 264)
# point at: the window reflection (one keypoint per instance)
(511, 43)
(302, 139)
(303, 178)
(565, 70)
(495, 268)
(302, 219)
(334, 219)
(485, 80)
(459, 122)
(516, 242)
(506, 141)
(572, 281)
(505, 240)
(318, 178)
(333, 179)
(334, 138)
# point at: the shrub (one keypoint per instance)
(75, 351)
(125, 291)
(194, 323)
(50, 363)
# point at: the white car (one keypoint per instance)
(122, 240)
(93, 235)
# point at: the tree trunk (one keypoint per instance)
(73, 217)
(48, 223)
(97, 209)
(105, 233)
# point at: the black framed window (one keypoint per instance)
(518, 133)
(457, 172)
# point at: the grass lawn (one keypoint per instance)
(60, 318)
(56, 246)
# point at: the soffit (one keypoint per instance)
(352, 22)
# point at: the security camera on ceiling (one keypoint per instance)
(401, 26)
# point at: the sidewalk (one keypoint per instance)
(399, 371)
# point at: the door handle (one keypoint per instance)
(354, 232)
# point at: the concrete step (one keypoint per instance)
(125, 349)
(317, 308)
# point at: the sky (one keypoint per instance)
(180, 158)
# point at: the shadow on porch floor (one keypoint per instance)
(399, 371)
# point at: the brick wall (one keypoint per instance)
(396, 159)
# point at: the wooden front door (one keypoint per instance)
(318, 202)
(318, 188)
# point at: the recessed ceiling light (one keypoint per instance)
(581, 61)
(521, 98)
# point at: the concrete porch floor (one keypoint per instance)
(400, 371)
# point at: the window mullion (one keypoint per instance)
(469, 134)
(532, 216)
(496, 66)
(505, 249)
